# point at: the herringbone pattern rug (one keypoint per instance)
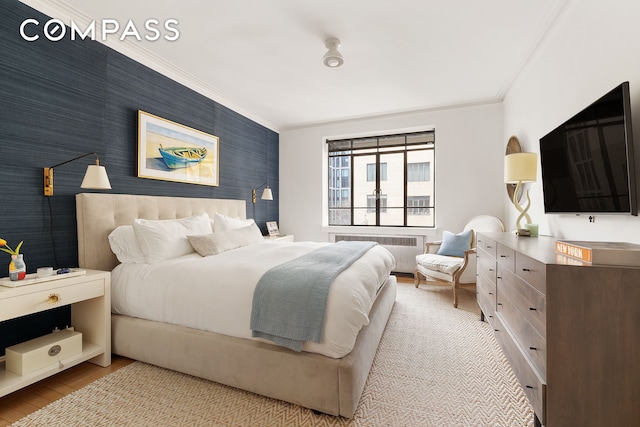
(436, 366)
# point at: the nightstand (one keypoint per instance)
(89, 296)
(282, 238)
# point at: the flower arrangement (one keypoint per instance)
(6, 248)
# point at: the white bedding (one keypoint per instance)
(215, 293)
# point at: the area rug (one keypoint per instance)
(436, 366)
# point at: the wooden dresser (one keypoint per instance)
(570, 330)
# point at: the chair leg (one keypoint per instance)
(455, 294)
(416, 280)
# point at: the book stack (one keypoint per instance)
(600, 253)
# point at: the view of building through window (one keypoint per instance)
(382, 181)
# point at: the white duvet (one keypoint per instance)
(215, 293)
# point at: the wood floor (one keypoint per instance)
(21, 403)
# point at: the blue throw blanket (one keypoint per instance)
(290, 300)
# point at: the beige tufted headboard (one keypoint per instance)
(98, 214)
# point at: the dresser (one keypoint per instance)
(570, 330)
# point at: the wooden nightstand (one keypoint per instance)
(90, 298)
(282, 238)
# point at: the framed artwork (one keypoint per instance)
(173, 152)
(272, 228)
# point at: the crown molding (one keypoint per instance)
(545, 29)
(61, 10)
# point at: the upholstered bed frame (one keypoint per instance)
(321, 383)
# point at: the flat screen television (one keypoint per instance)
(587, 162)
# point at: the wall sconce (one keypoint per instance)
(520, 168)
(266, 194)
(95, 177)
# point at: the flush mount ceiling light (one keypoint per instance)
(332, 58)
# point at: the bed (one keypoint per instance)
(322, 382)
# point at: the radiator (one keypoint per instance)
(403, 248)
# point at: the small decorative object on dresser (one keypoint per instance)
(272, 228)
(567, 329)
(601, 253)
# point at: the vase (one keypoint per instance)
(17, 268)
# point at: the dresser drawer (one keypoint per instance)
(533, 345)
(487, 245)
(532, 271)
(486, 266)
(526, 299)
(533, 386)
(506, 257)
(486, 291)
(37, 301)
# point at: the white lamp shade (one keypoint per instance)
(96, 178)
(520, 167)
(266, 194)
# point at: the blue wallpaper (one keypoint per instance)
(59, 100)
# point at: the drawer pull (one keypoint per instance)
(490, 293)
(533, 309)
(55, 350)
(533, 348)
(54, 299)
(529, 387)
(488, 246)
(503, 256)
(525, 269)
(499, 303)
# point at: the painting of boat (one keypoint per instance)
(182, 157)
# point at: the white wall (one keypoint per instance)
(594, 47)
(468, 167)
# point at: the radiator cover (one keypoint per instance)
(403, 248)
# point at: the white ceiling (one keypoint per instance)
(263, 58)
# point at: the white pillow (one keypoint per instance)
(125, 246)
(226, 223)
(222, 241)
(160, 240)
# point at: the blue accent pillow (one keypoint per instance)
(455, 244)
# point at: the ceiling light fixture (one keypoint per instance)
(332, 58)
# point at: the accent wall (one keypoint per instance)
(59, 100)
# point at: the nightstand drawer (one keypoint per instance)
(34, 302)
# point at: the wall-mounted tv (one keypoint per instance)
(587, 162)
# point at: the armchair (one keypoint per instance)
(437, 265)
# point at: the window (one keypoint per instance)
(418, 171)
(383, 180)
(371, 172)
(371, 203)
(418, 205)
